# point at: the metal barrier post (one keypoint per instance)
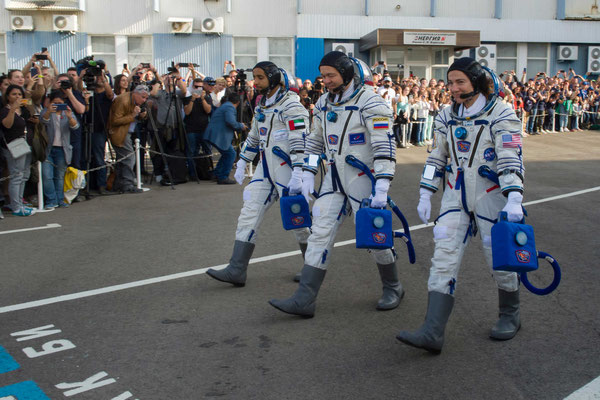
(138, 166)
(40, 188)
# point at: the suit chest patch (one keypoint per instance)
(356, 138)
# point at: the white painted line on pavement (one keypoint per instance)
(48, 226)
(114, 288)
(562, 196)
(591, 391)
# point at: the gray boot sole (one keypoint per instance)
(393, 306)
(215, 274)
(500, 336)
(304, 314)
(407, 341)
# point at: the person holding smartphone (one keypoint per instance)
(198, 108)
(59, 121)
(13, 126)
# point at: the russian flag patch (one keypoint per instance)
(381, 123)
(296, 124)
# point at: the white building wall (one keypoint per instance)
(407, 8)
(493, 30)
(136, 17)
(333, 7)
(465, 9)
(578, 7)
(526, 10)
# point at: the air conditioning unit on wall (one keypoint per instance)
(64, 23)
(181, 25)
(212, 25)
(567, 53)
(594, 59)
(346, 48)
(462, 53)
(21, 22)
(486, 55)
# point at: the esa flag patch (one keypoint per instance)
(381, 123)
(296, 124)
(513, 140)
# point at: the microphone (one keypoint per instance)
(468, 95)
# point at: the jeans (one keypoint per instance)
(77, 158)
(531, 120)
(19, 169)
(575, 122)
(549, 125)
(53, 176)
(192, 149)
(124, 175)
(420, 129)
(225, 163)
(98, 178)
(562, 121)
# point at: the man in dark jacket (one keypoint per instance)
(220, 132)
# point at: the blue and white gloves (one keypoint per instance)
(513, 207)
(424, 206)
(295, 183)
(240, 172)
(381, 193)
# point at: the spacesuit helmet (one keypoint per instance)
(273, 75)
(350, 68)
(475, 72)
(288, 81)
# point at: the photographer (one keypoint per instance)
(59, 125)
(96, 117)
(76, 102)
(13, 119)
(197, 112)
(167, 102)
(123, 117)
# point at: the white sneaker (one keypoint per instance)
(158, 178)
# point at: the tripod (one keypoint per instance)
(179, 127)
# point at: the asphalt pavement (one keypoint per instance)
(125, 310)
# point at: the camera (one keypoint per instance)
(305, 101)
(66, 84)
(41, 56)
(172, 68)
(240, 80)
(93, 68)
(61, 107)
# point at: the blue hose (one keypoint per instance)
(555, 281)
(356, 163)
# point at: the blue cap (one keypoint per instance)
(209, 80)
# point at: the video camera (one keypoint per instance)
(93, 68)
(240, 80)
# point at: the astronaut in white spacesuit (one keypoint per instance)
(351, 119)
(477, 135)
(278, 133)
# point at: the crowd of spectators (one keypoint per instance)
(82, 116)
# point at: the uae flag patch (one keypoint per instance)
(296, 124)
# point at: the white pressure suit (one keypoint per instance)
(362, 128)
(279, 138)
(470, 201)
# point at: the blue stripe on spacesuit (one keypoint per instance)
(492, 221)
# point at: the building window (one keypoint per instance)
(537, 58)
(439, 69)
(103, 48)
(506, 57)
(139, 50)
(3, 53)
(245, 52)
(280, 53)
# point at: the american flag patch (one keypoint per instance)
(513, 140)
(381, 123)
